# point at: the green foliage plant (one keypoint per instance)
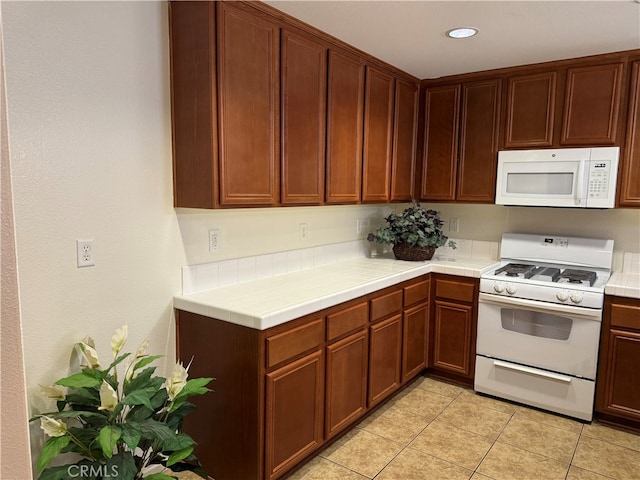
(123, 427)
(415, 226)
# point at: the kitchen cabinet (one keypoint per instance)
(587, 96)
(531, 101)
(347, 367)
(378, 135)
(415, 324)
(454, 326)
(618, 387)
(405, 141)
(461, 142)
(248, 99)
(385, 346)
(629, 187)
(303, 112)
(294, 410)
(345, 108)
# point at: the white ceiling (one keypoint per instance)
(411, 34)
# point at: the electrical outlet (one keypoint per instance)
(454, 224)
(304, 231)
(85, 253)
(361, 224)
(214, 240)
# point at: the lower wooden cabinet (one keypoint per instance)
(346, 398)
(294, 413)
(618, 384)
(282, 393)
(454, 326)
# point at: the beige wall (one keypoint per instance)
(89, 118)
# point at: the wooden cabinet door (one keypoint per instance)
(303, 112)
(385, 347)
(248, 93)
(294, 413)
(378, 131)
(439, 166)
(479, 141)
(629, 183)
(346, 382)
(344, 128)
(405, 131)
(531, 101)
(194, 126)
(452, 337)
(415, 341)
(622, 375)
(592, 105)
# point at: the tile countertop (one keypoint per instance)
(265, 303)
(623, 284)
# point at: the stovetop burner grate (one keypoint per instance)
(580, 277)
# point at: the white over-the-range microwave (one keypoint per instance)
(565, 177)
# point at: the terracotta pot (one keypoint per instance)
(414, 253)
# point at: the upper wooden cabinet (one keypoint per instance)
(588, 97)
(303, 113)
(345, 105)
(592, 105)
(461, 142)
(530, 110)
(629, 187)
(378, 135)
(248, 86)
(405, 141)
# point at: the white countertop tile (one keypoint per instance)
(266, 302)
(623, 284)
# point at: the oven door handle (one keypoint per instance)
(537, 306)
(532, 371)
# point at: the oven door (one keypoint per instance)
(559, 338)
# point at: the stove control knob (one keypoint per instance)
(511, 289)
(576, 297)
(562, 296)
(498, 288)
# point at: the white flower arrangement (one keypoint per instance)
(128, 430)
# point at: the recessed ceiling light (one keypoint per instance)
(462, 32)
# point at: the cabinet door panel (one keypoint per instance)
(378, 129)
(304, 98)
(439, 169)
(344, 128)
(592, 105)
(415, 341)
(629, 185)
(405, 131)
(248, 87)
(530, 110)
(622, 391)
(294, 407)
(452, 337)
(346, 394)
(384, 358)
(479, 142)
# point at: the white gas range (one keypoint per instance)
(539, 316)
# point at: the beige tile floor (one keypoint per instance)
(435, 430)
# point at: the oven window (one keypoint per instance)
(550, 183)
(536, 324)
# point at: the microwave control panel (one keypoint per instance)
(599, 179)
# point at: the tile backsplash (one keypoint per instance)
(631, 262)
(208, 276)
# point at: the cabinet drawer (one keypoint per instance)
(463, 292)
(386, 305)
(347, 320)
(625, 316)
(293, 342)
(418, 292)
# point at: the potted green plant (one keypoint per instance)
(415, 233)
(124, 427)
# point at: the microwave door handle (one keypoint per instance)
(582, 183)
